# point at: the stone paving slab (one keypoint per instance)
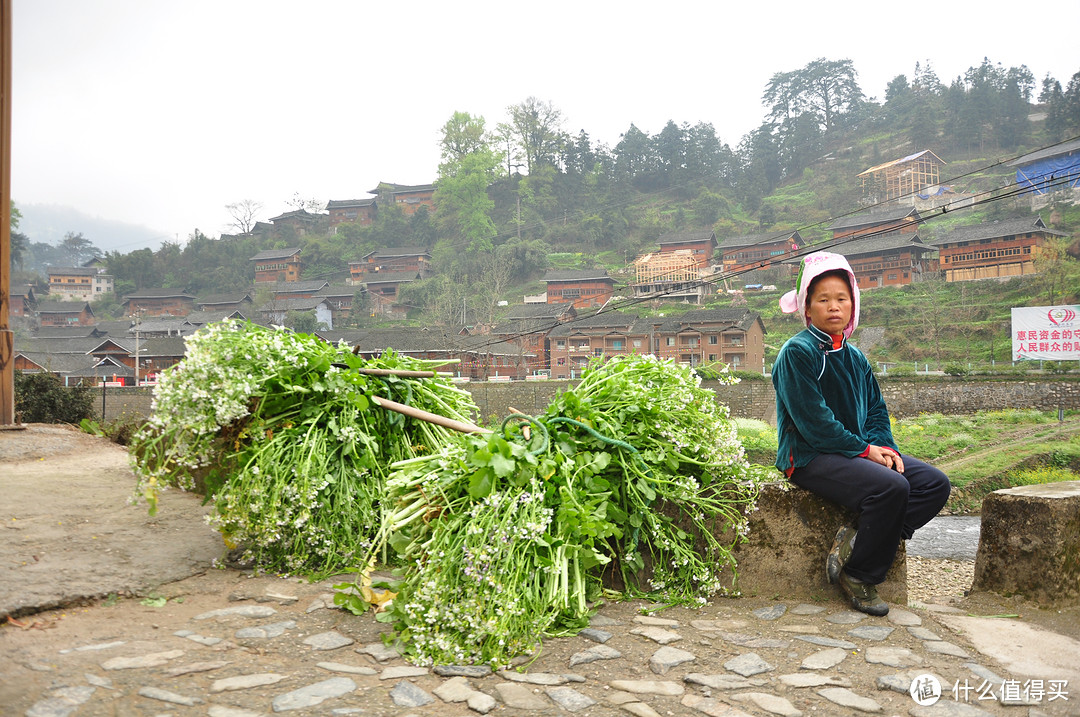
(303, 656)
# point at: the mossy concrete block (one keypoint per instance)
(1029, 543)
(790, 535)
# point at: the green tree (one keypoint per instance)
(463, 207)
(77, 249)
(824, 88)
(537, 130)
(304, 322)
(137, 269)
(635, 159)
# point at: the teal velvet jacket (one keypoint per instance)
(827, 401)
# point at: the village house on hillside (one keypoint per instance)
(292, 289)
(277, 265)
(299, 221)
(893, 259)
(158, 302)
(234, 301)
(65, 313)
(580, 287)
(351, 211)
(78, 283)
(899, 219)
(757, 251)
(528, 326)
(993, 250)
(731, 336)
(382, 292)
(393, 259)
(701, 245)
(340, 299)
(476, 358)
(409, 197)
(277, 310)
(23, 301)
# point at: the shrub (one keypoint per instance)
(43, 398)
(955, 369)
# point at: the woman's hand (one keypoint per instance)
(886, 457)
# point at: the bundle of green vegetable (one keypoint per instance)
(636, 471)
(279, 430)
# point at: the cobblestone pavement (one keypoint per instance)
(228, 644)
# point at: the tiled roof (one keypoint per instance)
(686, 238)
(879, 244)
(735, 318)
(276, 253)
(339, 290)
(68, 332)
(398, 188)
(233, 298)
(535, 311)
(578, 275)
(163, 346)
(62, 307)
(201, 318)
(755, 239)
(614, 320)
(114, 328)
(107, 368)
(391, 277)
(994, 230)
(345, 203)
(292, 304)
(58, 346)
(866, 219)
(73, 271)
(1055, 151)
(62, 363)
(295, 287)
(397, 251)
(158, 294)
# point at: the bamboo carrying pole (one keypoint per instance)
(426, 416)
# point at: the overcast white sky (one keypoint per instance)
(161, 113)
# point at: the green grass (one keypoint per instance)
(980, 452)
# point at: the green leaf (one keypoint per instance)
(154, 601)
(502, 465)
(480, 484)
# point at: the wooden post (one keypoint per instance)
(7, 337)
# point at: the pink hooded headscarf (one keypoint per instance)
(814, 265)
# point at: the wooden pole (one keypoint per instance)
(426, 416)
(7, 337)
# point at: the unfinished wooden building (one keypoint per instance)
(670, 275)
(901, 178)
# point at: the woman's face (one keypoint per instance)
(829, 306)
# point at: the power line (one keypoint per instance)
(982, 198)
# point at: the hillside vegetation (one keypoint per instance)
(520, 195)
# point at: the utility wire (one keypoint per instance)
(979, 199)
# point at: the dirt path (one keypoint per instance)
(66, 508)
(1011, 441)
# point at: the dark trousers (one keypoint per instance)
(891, 506)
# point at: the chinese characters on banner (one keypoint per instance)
(1046, 333)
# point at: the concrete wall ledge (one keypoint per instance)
(790, 535)
(1029, 543)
